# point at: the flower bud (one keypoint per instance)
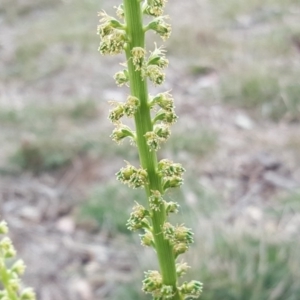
(147, 239)
(167, 117)
(162, 131)
(28, 294)
(154, 7)
(155, 200)
(138, 179)
(166, 292)
(152, 140)
(155, 74)
(109, 21)
(153, 11)
(180, 248)
(113, 43)
(158, 58)
(171, 207)
(7, 248)
(138, 55)
(133, 177)
(121, 132)
(172, 182)
(160, 27)
(192, 289)
(168, 168)
(137, 218)
(152, 283)
(181, 269)
(125, 173)
(121, 77)
(165, 101)
(18, 267)
(183, 234)
(168, 230)
(131, 106)
(120, 11)
(116, 113)
(3, 227)
(14, 284)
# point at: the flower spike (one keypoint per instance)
(153, 117)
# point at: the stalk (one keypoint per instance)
(156, 177)
(148, 158)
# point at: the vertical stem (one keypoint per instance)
(148, 159)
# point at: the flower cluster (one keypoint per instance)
(138, 218)
(179, 236)
(164, 100)
(138, 55)
(154, 68)
(154, 7)
(10, 277)
(112, 34)
(153, 284)
(192, 289)
(159, 134)
(171, 173)
(120, 132)
(132, 176)
(160, 26)
(128, 108)
(121, 77)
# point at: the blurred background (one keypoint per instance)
(235, 75)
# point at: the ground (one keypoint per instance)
(234, 73)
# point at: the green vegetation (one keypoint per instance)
(47, 137)
(109, 205)
(248, 267)
(198, 142)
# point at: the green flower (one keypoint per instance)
(154, 7)
(131, 106)
(155, 74)
(116, 113)
(138, 55)
(132, 176)
(138, 218)
(121, 132)
(121, 77)
(192, 289)
(160, 27)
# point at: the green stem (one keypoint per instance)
(148, 159)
